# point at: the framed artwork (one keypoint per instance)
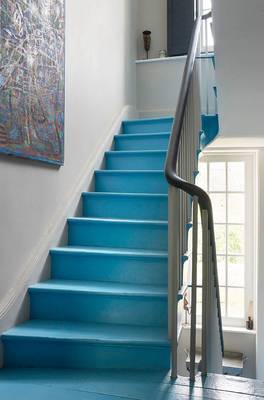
(32, 79)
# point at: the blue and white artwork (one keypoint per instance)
(32, 79)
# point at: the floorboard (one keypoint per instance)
(27, 384)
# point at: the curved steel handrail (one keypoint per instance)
(173, 152)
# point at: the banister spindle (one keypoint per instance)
(173, 273)
(205, 280)
(194, 288)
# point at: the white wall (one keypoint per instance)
(239, 32)
(239, 46)
(158, 86)
(159, 82)
(35, 198)
(260, 272)
(152, 15)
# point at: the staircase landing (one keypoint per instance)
(27, 384)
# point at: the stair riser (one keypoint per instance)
(152, 126)
(107, 268)
(126, 207)
(98, 308)
(59, 354)
(116, 161)
(155, 142)
(131, 183)
(118, 235)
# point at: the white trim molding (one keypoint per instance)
(161, 59)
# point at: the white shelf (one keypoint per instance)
(164, 59)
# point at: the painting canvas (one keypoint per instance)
(32, 79)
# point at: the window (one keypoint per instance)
(228, 179)
(207, 34)
(180, 21)
(207, 6)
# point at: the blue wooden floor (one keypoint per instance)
(26, 384)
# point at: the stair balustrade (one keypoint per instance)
(185, 200)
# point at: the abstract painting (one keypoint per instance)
(32, 79)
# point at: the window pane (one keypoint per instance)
(236, 271)
(220, 238)
(235, 306)
(207, 4)
(236, 176)
(199, 302)
(236, 208)
(217, 177)
(219, 207)
(223, 301)
(221, 267)
(210, 37)
(200, 245)
(199, 270)
(235, 239)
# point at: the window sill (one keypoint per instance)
(227, 329)
(235, 329)
(175, 58)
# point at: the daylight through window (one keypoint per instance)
(226, 181)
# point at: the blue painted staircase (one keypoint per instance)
(105, 305)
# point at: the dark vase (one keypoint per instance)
(147, 41)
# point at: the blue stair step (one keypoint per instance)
(135, 160)
(109, 265)
(125, 206)
(131, 182)
(55, 344)
(158, 141)
(99, 302)
(127, 234)
(156, 125)
(210, 127)
(105, 305)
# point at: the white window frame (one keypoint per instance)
(250, 226)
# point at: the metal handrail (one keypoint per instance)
(173, 154)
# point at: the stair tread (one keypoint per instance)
(110, 251)
(135, 152)
(129, 171)
(102, 288)
(89, 332)
(120, 221)
(142, 135)
(148, 120)
(140, 195)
